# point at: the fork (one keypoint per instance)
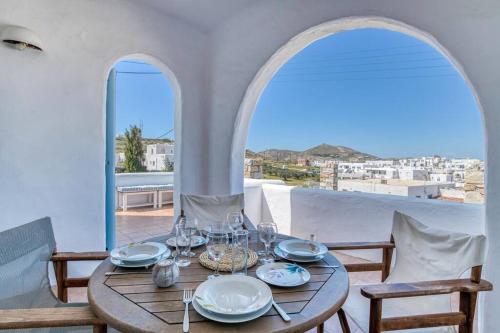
(186, 299)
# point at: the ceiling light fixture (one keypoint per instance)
(21, 38)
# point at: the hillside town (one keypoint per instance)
(344, 169)
(435, 177)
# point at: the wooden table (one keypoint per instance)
(133, 303)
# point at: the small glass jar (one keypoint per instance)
(165, 273)
(239, 252)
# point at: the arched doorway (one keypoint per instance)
(142, 149)
(294, 46)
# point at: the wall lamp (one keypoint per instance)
(20, 38)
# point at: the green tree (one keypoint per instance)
(134, 151)
(169, 166)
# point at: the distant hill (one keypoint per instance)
(323, 151)
(120, 143)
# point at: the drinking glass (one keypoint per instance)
(183, 245)
(268, 232)
(190, 223)
(235, 221)
(217, 243)
(239, 252)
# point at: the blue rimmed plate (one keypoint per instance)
(283, 274)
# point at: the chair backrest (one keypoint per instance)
(25, 253)
(210, 208)
(424, 253)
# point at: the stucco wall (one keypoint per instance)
(53, 107)
(358, 217)
(52, 102)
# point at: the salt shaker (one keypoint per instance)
(165, 273)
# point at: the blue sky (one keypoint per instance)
(143, 97)
(376, 91)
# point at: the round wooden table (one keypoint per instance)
(133, 303)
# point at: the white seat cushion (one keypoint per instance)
(358, 308)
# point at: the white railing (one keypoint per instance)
(347, 216)
(140, 179)
(144, 178)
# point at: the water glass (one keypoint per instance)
(190, 223)
(239, 251)
(217, 243)
(183, 245)
(268, 232)
(235, 221)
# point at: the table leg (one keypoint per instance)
(124, 202)
(320, 328)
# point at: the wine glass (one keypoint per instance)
(268, 232)
(217, 243)
(235, 221)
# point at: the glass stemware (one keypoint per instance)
(235, 221)
(268, 232)
(217, 243)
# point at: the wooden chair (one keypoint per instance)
(26, 298)
(414, 295)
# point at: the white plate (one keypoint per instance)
(303, 248)
(233, 295)
(135, 252)
(290, 257)
(283, 274)
(230, 319)
(137, 264)
(195, 241)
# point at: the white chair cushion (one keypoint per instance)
(358, 308)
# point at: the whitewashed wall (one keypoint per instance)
(344, 216)
(53, 102)
(53, 106)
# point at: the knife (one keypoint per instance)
(282, 312)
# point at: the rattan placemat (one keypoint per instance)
(226, 261)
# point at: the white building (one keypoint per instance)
(158, 154)
(413, 174)
(441, 177)
(408, 188)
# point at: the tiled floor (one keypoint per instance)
(139, 224)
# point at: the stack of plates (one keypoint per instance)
(300, 250)
(139, 254)
(232, 299)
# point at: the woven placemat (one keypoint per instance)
(226, 261)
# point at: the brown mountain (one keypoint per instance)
(323, 151)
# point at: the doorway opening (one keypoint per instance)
(140, 153)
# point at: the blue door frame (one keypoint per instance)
(110, 160)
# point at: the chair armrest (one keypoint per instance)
(398, 290)
(359, 245)
(79, 256)
(48, 317)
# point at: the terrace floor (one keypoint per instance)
(139, 224)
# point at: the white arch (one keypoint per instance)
(294, 46)
(177, 94)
